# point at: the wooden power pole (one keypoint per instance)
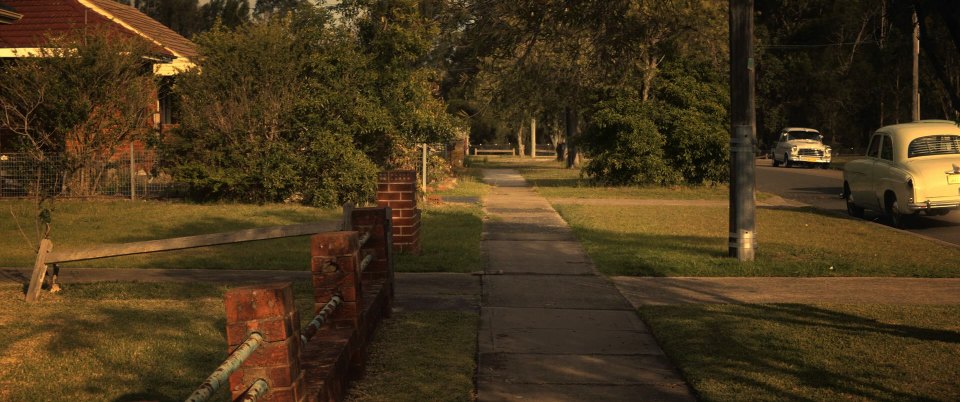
(915, 95)
(743, 135)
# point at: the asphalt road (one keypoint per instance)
(822, 188)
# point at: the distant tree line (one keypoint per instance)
(295, 101)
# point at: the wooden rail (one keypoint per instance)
(46, 255)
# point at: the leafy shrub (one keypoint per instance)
(626, 146)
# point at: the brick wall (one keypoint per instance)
(398, 190)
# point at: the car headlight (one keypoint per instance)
(793, 150)
(826, 151)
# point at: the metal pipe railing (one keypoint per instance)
(318, 321)
(222, 373)
(258, 389)
(366, 261)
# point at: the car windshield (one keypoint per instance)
(934, 145)
(803, 135)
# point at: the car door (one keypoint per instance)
(883, 173)
(781, 148)
(859, 175)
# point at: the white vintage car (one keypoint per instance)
(908, 168)
(801, 146)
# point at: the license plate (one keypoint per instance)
(953, 179)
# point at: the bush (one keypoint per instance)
(626, 146)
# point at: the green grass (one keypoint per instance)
(450, 234)
(469, 184)
(156, 341)
(781, 352)
(421, 356)
(450, 240)
(692, 241)
(78, 224)
(552, 180)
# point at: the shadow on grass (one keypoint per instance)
(805, 352)
(450, 241)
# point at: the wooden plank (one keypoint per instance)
(39, 270)
(181, 243)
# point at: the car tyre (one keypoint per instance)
(852, 209)
(786, 162)
(898, 219)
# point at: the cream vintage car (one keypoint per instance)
(908, 168)
(801, 146)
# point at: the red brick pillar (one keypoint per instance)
(335, 267)
(269, 310)
(398, 190)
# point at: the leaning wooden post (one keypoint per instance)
(39, 271)
(268, 310)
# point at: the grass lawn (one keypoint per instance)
(85, 223)
(692, 241)
(778, 352)
(127, 342)
(552, 180)
(450, 234)
(421, 356)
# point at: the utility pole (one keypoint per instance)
(743, 136)
(424, 171)
(915, 95)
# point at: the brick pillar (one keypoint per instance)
(398, 190)
(269, 310)
(335, 270)
(378, 222)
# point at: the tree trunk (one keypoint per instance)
(573, 155)
(520, 152)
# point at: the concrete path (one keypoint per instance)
(551, 328)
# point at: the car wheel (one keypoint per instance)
(786, 162)
(898, 219)
(776, 163)
(852, 209)
(825, 166)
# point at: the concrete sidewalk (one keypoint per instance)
(551, 328)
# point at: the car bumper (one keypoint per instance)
(924, 205)
(808, 159)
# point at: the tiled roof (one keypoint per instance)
(45, 17)
(148, 27)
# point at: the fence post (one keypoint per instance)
(377, 222)
(133, 175)
(39, 271)
(269, 310)
(335, 269)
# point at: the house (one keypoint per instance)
(8, 15)
(25, 25)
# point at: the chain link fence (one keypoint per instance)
(21, 176)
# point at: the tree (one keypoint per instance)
(242, 133)
(78, 100)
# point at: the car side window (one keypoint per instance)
(874, 149)
(886, 150)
